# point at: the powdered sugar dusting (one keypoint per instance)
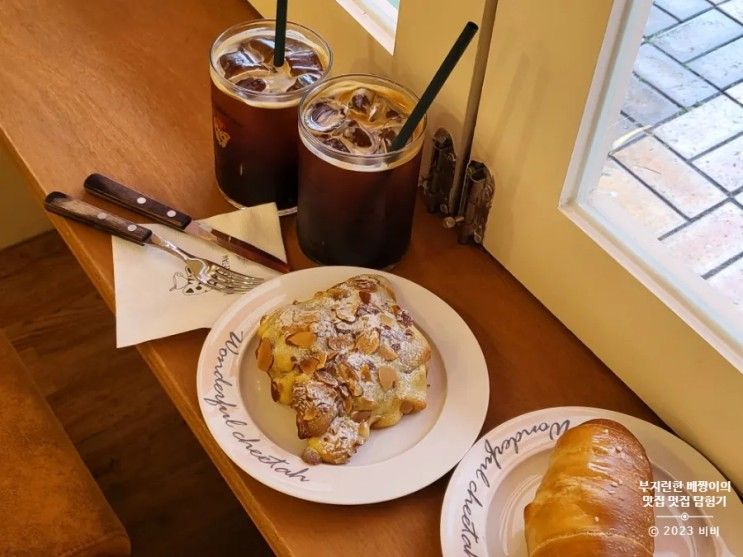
(358, 330)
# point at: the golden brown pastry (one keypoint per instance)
(346, 360)
(589, 503)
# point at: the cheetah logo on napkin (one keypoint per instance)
(155, 295)
(186, 283)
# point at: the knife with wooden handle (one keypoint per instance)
(122, 195)
(62, 204)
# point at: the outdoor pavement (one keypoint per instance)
(681, 174)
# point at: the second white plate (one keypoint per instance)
(483, 510)
(260, 435)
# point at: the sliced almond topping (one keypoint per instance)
(346, 313)
(302, 339)
(341, 342)
(347, 404)
(354, 387)
(361, 415)
(387, 319)
(365, 283)
(264, 354)
(336, 293)
(345, 393)
(326, 378)
(344, 371)
(322, 359)
(365, 296)
(293, 327)
(343, 327)
(387, 353)
(363, 403)
(355, 373)
(406, 407)
(368, 341)
(310, 413)
(387, 376)
(309, 365)
(402, 315)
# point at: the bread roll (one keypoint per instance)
(589, 503)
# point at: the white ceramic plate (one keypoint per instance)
(260, 435)
(482, 514)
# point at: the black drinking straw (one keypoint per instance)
(280, 38)
(435, 86)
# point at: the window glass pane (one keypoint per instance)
(675, 168)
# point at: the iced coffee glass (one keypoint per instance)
(254, 108)
(356, 196)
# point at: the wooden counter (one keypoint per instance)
(122, 88)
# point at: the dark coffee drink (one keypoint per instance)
(356, 196)
(254, 106)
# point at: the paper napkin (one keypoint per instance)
(155, 296)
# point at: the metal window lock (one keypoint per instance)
(451, 222)
(469, 212)
(437, 184)
(475, 203)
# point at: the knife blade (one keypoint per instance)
(111, 190)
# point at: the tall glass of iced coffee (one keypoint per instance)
(356, 195)
(254, 107)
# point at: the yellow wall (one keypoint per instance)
(20, 218)
(539, 72)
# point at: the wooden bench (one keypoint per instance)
(50, 505)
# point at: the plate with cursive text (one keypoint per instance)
(483, 510)
(260, 435)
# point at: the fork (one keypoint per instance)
(208, 273)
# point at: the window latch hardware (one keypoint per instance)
(474, 206)
(438, 183)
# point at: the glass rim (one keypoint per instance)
(361, 159)
(261, 97)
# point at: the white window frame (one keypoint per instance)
(711, 315)
(378, 17)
